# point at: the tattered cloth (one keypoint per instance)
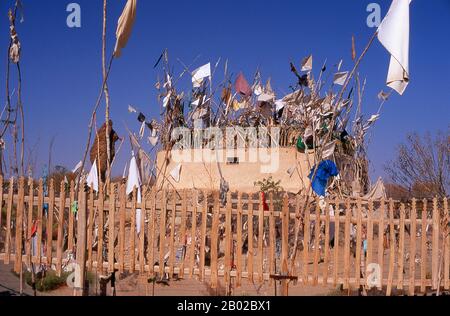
(325, 171)
(98, 150)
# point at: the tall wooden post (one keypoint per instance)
(284, 246)
(81, 244)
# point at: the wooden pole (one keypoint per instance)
(81, 244)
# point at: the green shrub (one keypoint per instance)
(48, 282)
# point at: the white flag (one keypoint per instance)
(201, 73)
(307, 63)
(125, 26)
(176, 172)
(340, 78)
(134, 181)
(393, 34)
(77, 167)
(92, 179)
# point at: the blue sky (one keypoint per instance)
(62, 66)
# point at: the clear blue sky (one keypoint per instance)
(62, 66)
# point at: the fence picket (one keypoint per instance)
(326, 257)
(316, 244)
(162, 234)
(250, 239)
(70, 241)
(447, 248)
(8, 222)
(381, 242)
(348, 216)
(261, 239)
(29, 219)
(435, 245)
(51, 207)
(100, 224)
(214, 241)
(228, 242)
(203, 235)
(122, 218)
(239, 241)
(142, 231)
(132, 248)
(172, 249)
(369, 238)
(59, 242)
(401, 248)
(193, 235)
(1, 206)
(391, 247)
(151, 233)
(183, 236)
(19, 226)
(285, 244)
(358, 244)
(272, 239)
(111, 227)
(337, 219)
(90, 225)
(306, 235)
(423, 248)
(412, 245)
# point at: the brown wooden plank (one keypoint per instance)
(132, 249)
(8, 222)
(392, 248)
(81, 240)
(19, 226)
(59, 242)
(111, 237)
(250, 252)
(40, 220)
(239, 241)
(162, 233)
(183, 237)
(203, 235)
(152, 233)
(272, 238)
(70, 234)
(260, 239)
(122, 217)
(306, 246)
(215, 241)
(228, 241)
(370, 239)
(359, 243)
(447, 250)
(142, 231)
(90, 228)
(423, 248)
(348, 217)
(297, 227)
(381, 242)
(193, 234)
(337, 220)
(435, 245)
(316, 244)
(326, 257)
(51, 208)
(285, 244)
(172, 248)
(100, 224)
(412, 245)
(401, 248)
(30, 216)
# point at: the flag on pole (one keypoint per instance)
(200, 74)
(134, 181)
(125, 26)
(92, 179)
(393, 34)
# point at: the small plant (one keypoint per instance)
(47, 281)
(268, 186)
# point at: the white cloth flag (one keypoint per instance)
(201, 73)
(307, 63)
(92, 179)
(134, 181)
(393, 34)
(176, 173)
(340, 78)
(125, 26)
(77, 167)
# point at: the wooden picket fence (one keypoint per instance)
(251, 237)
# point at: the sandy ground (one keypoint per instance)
(136, 286)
